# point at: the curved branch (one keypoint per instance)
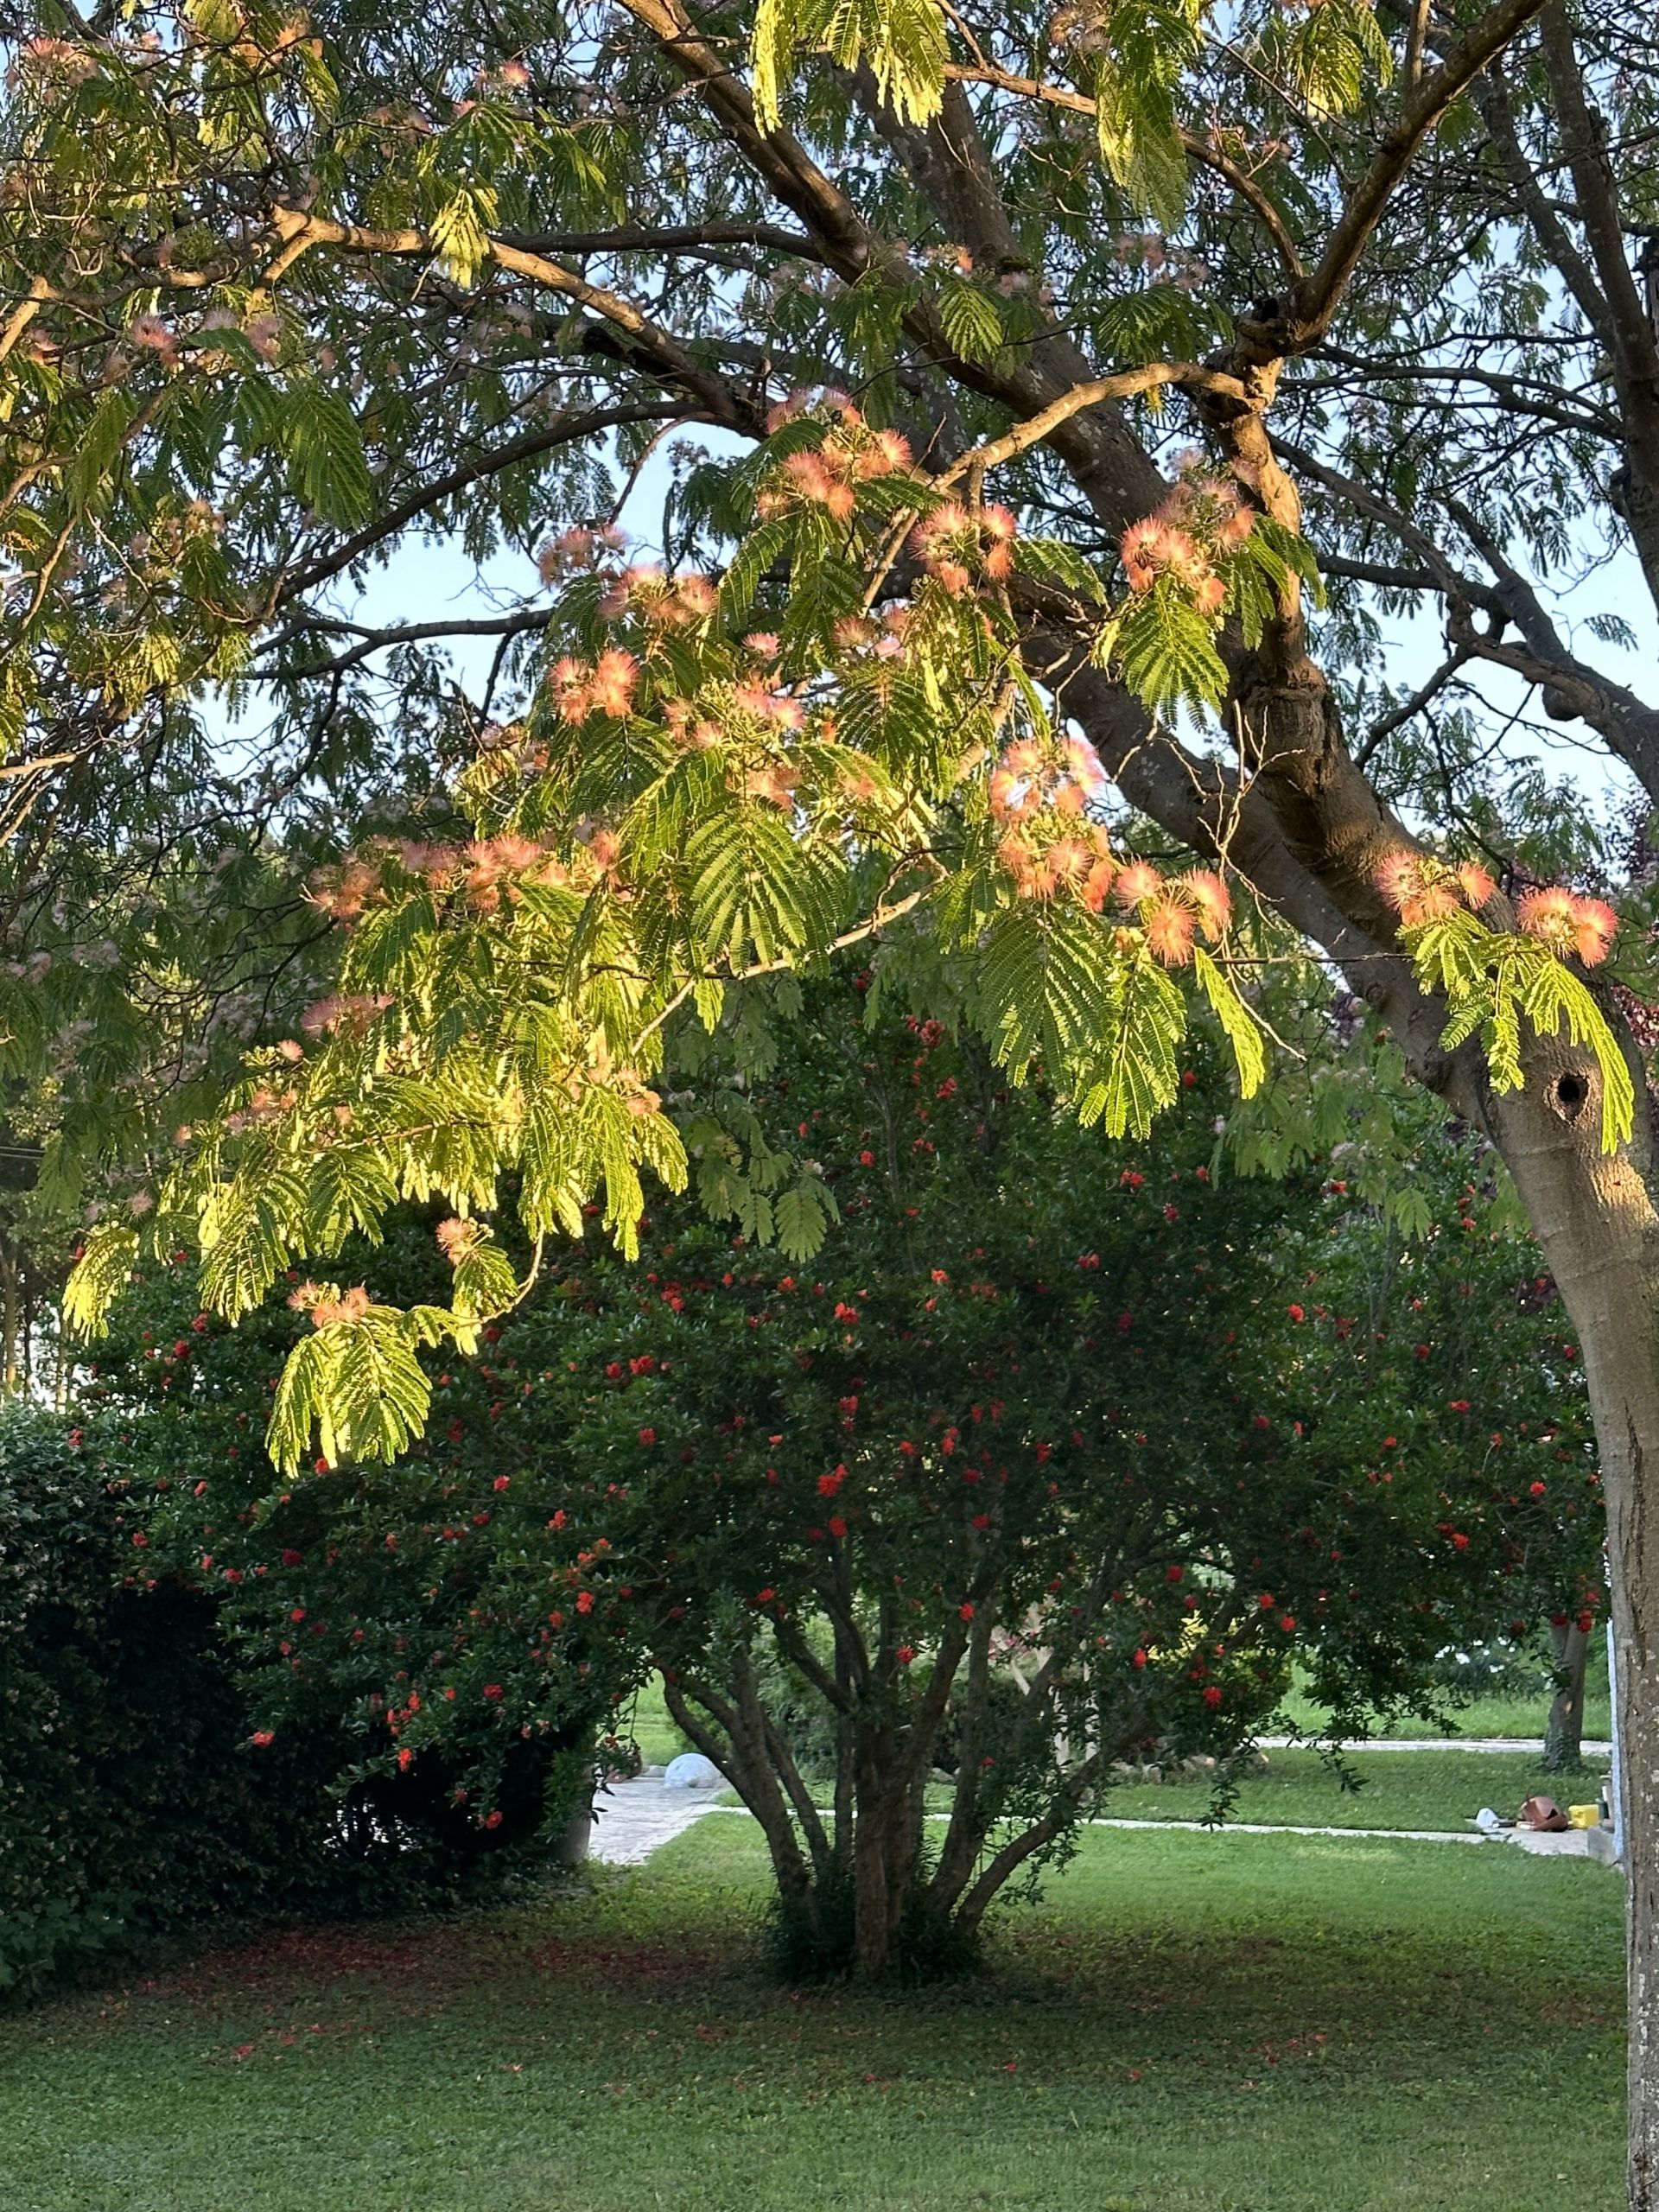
(1198, 149)
(568, 429)
(1318, 297)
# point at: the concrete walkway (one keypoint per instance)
(1228, 1827)
(1594, 1747)
(632, 1817)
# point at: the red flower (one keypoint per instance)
(493, 1820)
(263, 1735)
(584, 1601)
(1538, 1489)
(1286, 1623)
(1139, 1659)
(904, 1654)
(866, 1159)
(648, 1436)
(1212, 1697)
(838, 1527)
(829, 1484)
(1173, 1573)
(965, 1612)
(502, 1481)
(494, 1693)
(293, 1558)
(1297, 1314)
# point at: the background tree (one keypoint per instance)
(1055, 1455)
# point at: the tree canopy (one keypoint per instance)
(905, 316)
(1055, 1455)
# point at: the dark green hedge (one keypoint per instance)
(132, 1800)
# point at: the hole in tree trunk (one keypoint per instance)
(1569, 1095)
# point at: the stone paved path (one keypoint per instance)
(632, 1817)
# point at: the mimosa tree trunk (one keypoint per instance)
(1595, 1216)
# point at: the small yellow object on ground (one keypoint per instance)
(1583, 1816)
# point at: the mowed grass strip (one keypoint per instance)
(1393, 1789)
(1242, 2025)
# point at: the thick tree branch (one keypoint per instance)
(656, 349)
(665, 238)
(1201, 149)
(1318, 297)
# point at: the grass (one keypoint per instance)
(1187, 2024)
(658, 1739)
(1396, 1789)
(1500, 1713)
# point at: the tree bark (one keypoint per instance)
(1564, 1736)
(1596, 1219)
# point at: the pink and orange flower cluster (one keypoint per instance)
(957, 543)
(606, 686)
(1174, 910)
(1422, 889)
(1039, 793)
(1188, 537)
(828, 475)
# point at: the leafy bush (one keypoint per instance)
(134, 1797)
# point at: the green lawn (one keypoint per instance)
(1500, 1713)
(1499, 1716)
(1187, 2024)
(1396, 1789)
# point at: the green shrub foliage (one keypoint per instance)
(136, 1795)
(1056, 1453)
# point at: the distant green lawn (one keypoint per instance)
(1499, 1716)
(1500, 1713)
(1187, 2024)
(1395, 1789)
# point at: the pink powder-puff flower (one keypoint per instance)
(615, 679)
(1137, 881)
(1171, 925)
(1211, 899)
